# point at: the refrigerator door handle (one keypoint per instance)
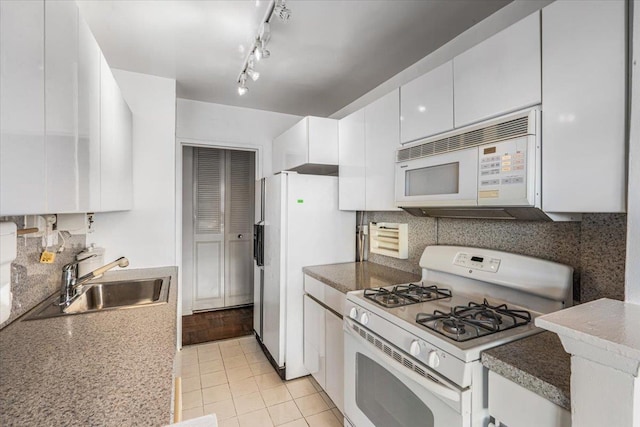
(258, 243)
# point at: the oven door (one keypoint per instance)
(381, 391)
(449, 179)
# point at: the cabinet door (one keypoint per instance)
(61, 89)
(291, 149)
(499, 75)
(323, 141)
(22, 154)
(382, 136)
(88, 120)
(584, 106)
(351, 162)
(335, 359)
(314, 333)
(115, 145)
(426, 104)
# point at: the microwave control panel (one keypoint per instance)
(503, 173)
(477, 262)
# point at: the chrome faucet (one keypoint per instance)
(70, 283)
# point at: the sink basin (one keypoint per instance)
(108, 296)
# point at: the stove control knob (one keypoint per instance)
(414, 348)
(432, 359)
(353, 313)
(364, 319)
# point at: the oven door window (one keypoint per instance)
(385, 400)
(433, 180)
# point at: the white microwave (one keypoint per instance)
(488, 170)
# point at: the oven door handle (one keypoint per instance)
(434, 387)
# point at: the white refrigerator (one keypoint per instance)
(302, 226)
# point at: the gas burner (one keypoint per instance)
(474, 320)
(402, 295)
(390, 299)
(386, 298)
(488, 315)
(453, 326)
(422, 293)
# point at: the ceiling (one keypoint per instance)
(329, 54)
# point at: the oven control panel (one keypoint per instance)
(477, 262)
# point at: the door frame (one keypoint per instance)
(188, 142)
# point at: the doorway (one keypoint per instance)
(218, 215)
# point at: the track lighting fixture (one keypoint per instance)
(259, 50)
(242, 84)
(282, 11)
(253, 74)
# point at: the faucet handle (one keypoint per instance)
(75, 263)
(69, 266)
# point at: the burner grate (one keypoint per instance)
(464, 323)
(402, 295)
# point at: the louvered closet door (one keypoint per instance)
(209, 225)
(239, 215)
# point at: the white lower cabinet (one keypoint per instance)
(324, 338)
(514, 406)
(334, 354)
(314, 340)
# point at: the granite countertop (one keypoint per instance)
(353, 276)
(110, 368)
(537, 363)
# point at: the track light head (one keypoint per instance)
(253, 74)
(282, 11)
(242, 84)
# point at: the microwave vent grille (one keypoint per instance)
(494, 133)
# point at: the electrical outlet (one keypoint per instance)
(47, 257)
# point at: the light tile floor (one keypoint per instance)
(234, 380)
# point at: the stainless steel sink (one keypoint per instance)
(107, 296)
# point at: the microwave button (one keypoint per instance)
(518, 180)
(506, 181)
(518, 168)
(483, 173)
(506, 169)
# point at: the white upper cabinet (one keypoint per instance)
(61, 88)
(51, 156)
(311, 141)
(369, 139)
(22, 155)
(499, 75)
(382, 137)
(584, 107)
(115, 145)
(426, 104)
(89, 57)
(351, 162)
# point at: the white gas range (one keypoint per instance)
(412, 351)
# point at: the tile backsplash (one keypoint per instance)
(595, 247)
(31, 281)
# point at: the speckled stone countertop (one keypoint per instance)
(353, 276)
(537, 363)
(111, 368)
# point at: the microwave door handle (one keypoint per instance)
(434, 387)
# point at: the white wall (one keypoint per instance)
(495, 23)
(223, 125)
(632, 288)
(146, 234)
